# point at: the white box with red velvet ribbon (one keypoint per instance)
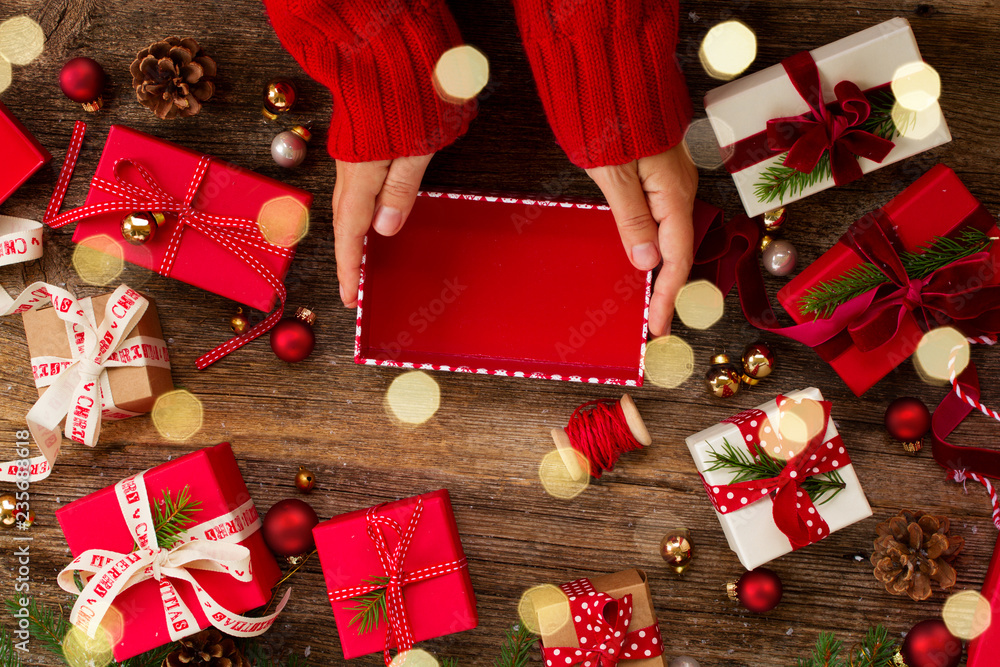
(781, 144)
(779, 476)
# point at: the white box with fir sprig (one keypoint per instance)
(740, 110)
(756, 446)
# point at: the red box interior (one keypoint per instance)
(22, 154)
(504, 286)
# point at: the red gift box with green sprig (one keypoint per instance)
(927, 258)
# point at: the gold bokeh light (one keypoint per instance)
(415, 657)
(699, 304)
(413, 397)
(800, 422)
(21, 40)
(178, 414)
(461, 73)
(82, 651)
(669, 361)
(543, 609)
(967, 614)
(728, 49)
(562, 481)
(6, 75)
(98, 260)
(917, 125)
(935, 350)
(916, 86)
(283, 221)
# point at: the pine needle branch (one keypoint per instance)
(826, 653)
(371, 608)
(515, 651)
(171, 517)
(747, 467)
(9, 655)
(822, 300)
(46, 625)
(877, 649)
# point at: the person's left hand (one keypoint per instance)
(652, 199)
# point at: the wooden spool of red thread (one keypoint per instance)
(576, 463)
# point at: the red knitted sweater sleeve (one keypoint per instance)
(607, 75)
(377, 58)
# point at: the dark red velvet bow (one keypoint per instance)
(954, 294)
(835, 128)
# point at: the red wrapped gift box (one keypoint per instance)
(22, 154)
(441, 604)
(226, 190)
(937, 204)
(214, 479)
(504, 286)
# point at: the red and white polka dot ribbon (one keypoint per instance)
(602, 629)
(399, 635)
(793, 510)
(240, 236)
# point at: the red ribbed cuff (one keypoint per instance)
(612, 94)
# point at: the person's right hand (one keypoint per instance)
(370, 194)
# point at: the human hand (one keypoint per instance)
(376, 194)
(652, 199)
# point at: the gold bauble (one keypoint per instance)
(758, 362)
(304, 480)
(279, 97)
(676, 549)
(765, 240)
(140, 227)
(8, 506)
(773, 220)
(239, 322)
(28, 522)
(722, 378)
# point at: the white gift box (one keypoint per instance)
(870, 59)
(751, 531)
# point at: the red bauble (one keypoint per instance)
(292, 339)
(908, 419)
(82, 80)
(929, 644)
(288, 527)
(758, 590)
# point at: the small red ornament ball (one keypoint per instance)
(929, 644)
(907, 419)
(82, 80)
(293, 339)
(759, 590)
(288, 527)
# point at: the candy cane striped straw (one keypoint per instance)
(961, 475)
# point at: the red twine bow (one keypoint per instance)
(398, 633)
(601, 624)
(835, 128)
(794, 513)
(237, 235)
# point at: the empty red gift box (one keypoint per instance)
(441, 604)
(504, 286)
(226, 190)
(22, 154)
(213, 479)
(937, 204)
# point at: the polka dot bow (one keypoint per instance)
(601, 623)
(794, 512)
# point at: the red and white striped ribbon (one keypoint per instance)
(235, 234)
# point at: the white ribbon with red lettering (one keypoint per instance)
(212, 546)
(20, 240)
(75, 395)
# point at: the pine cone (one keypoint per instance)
(911, 550)
(208, 648)
(172, 77)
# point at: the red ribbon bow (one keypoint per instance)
(601, 623)
(398, 633)
(793, 511)
(835, 128)
(236, 234)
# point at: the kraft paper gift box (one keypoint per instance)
(747, 515)
(137, 622)
(568, 641)
(22, 154)
(226, 190)
(133, 389)
(739, 111)
(937, 204)
(439, 605)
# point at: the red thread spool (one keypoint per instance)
(599, 432)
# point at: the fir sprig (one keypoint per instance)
(515, 651)
(780, 182)
(171, 517)
(877, 649)
(826, 653)
(45, 625)
(746, 467)
(9, 655)
(371, 608)
(822, 300)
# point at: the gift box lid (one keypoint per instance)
(504, 286)
(95, 522)
(22, 154)
(435, 607)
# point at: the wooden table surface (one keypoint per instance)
(487, 439)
